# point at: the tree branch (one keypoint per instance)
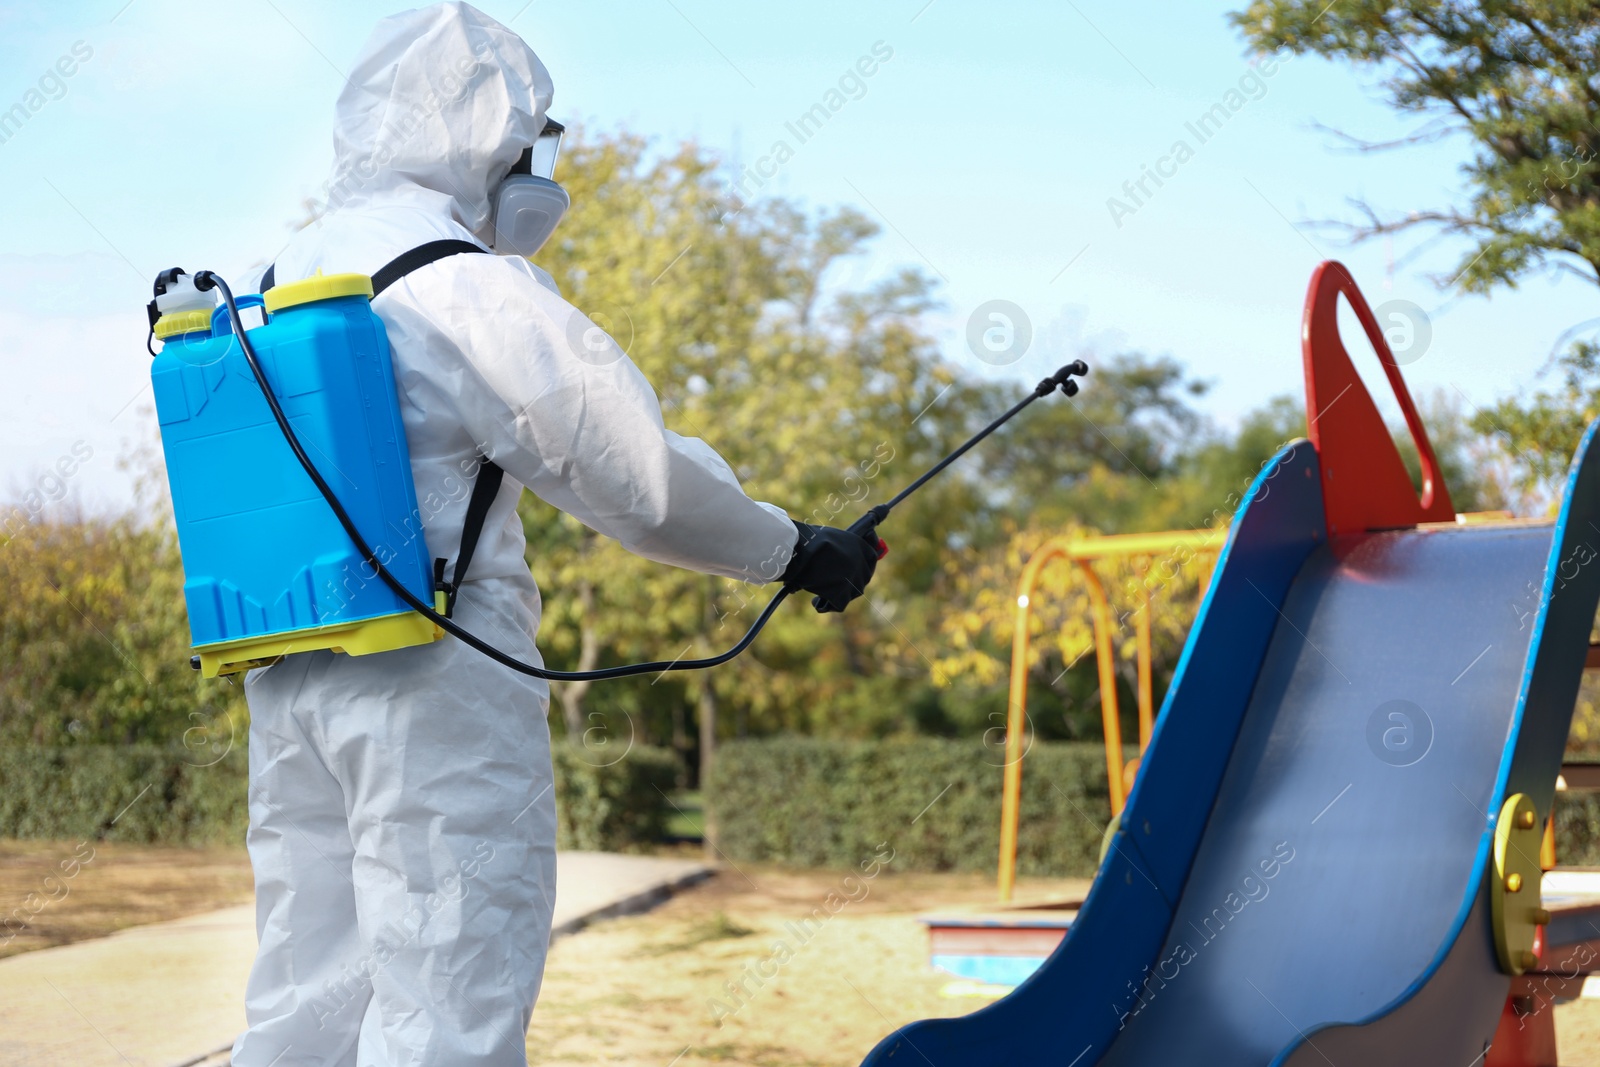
(1435, 129)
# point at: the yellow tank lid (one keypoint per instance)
(180, 322)
(319, 286)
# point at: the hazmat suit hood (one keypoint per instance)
(440, 104)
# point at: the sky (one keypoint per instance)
(999, 146)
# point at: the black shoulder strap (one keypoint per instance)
(417, 258)
(487, 485)
(484, 490)
(400, 265)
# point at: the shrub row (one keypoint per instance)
(619, 806)
(937, 803)
(156, 795)
(134, 793)
(794, 801)
(1578, 829)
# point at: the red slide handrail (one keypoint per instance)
(1350, 436)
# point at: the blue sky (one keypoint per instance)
(988, 146)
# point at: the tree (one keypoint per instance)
(825, 398)
(1468, 461)
(1516, 78)
(94, 642)
(1101, 458)
(1538, 434)
(819, 396)
(1130, 454)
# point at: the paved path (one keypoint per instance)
(169, 993)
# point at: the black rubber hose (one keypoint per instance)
(205, 280)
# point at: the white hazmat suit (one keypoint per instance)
(402, 823)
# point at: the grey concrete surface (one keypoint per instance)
(172, 993)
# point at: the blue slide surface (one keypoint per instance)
(1299, 876)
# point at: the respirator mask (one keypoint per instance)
(528, 204)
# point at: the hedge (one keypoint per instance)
(793, 801)
(810, 803)
(140, 793)
(935, 802)
(613, 807)
(155, 795)
(1578, 829)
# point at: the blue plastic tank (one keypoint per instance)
(268, 570)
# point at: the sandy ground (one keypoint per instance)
(1578, 1033)
(653, 989)
(58, 892)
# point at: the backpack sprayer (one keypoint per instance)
(258, 547)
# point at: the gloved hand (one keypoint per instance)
(832, 563)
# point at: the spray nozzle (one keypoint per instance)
(1062, 379)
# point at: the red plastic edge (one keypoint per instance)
(1365, 483)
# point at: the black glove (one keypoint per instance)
(832, 563)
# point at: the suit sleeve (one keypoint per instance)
(561, 408)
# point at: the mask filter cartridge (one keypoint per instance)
(527, 210)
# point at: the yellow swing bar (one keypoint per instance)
(1084, 552)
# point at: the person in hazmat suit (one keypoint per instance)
(402, 822)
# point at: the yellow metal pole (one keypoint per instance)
(1146, 687)
(1145, 544)
(1083, 551)
(1109, 714)
(1016, 718)
(1016, 722)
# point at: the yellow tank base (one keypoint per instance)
(382, 634)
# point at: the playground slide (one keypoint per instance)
(1342, 847)
(1301, 874)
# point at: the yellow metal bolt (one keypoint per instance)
(1526, 819)
(1540, 917)
(1513, 882)
(1528, 960)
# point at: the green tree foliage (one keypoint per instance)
(1103, 458)
(1515, 78)
(1516, 81)
(826, 397)
(1469, 463)
(1538, 433)
(94, 641)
